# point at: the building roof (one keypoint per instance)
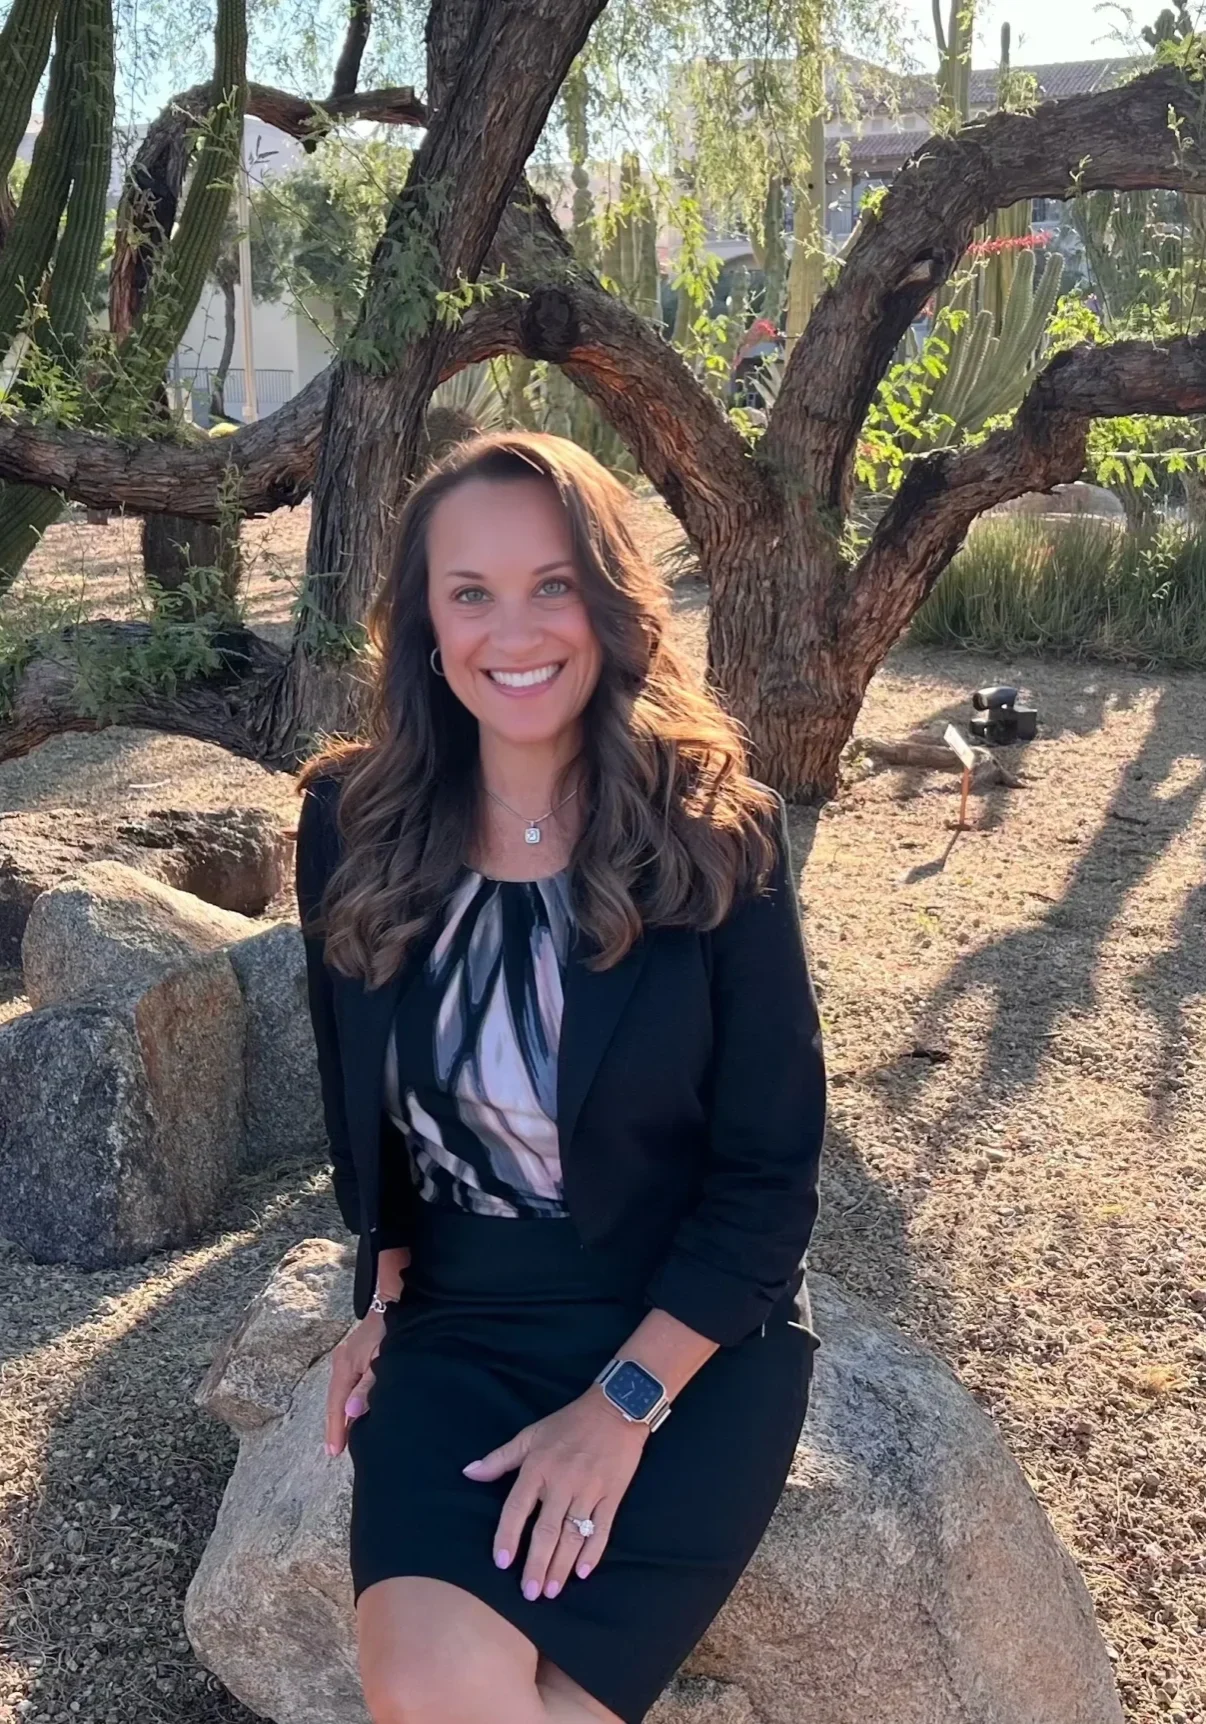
(891, 147)
(877, 90)
(886, 149)
(1057, 81)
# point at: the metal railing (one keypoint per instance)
(272, 388)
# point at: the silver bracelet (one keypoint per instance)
(377, 1303)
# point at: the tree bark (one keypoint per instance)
(178, 552)
(500, 83)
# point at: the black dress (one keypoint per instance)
(505, 1319)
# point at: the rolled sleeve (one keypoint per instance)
(734, 1256)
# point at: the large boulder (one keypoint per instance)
(110, 927)
(283, 1103)
(121, 1117)
(235, 858)
(909, 1575)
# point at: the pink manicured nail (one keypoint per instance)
(330, 1448)
(502, 1558)
(472, 1467)
(531, 1589)
(552, 1589)
(354, 1407)
(582, 1570)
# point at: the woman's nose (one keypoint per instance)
(515, 629)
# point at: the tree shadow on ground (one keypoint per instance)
(1039, 973)
(862, 1236)
(1104, 690)
(124, 1478)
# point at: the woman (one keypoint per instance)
(572, 1078)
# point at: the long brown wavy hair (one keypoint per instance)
(673, 830)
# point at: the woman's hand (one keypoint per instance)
(352, 1377)
(578, 1462)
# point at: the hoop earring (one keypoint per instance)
(435, 653)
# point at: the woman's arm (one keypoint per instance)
(733, 1257)
(314, 858)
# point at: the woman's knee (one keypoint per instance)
(430, 1654)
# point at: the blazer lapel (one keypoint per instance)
(591, 1006)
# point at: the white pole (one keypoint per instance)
(251, 408)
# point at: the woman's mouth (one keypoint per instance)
(525, 682)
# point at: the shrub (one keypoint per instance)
(1082, 586)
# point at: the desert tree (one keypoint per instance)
(471, 264)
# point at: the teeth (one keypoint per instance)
(524, 678)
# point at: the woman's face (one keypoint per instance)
(505, 597)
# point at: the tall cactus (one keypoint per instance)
(630, 258)
(31, 238)
(188, 257)
(81, 127)
(991, 365)
(770, 251)
(83, 234)
(24, 50)
(954, 61)
(806, 272)
(576, 96)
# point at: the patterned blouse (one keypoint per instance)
(475, 1035)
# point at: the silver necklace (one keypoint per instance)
(531, 830)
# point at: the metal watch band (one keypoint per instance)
(657, 1414)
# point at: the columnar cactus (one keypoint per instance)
(24, 51)
(991, 365)
(188, 257)
(73, 172)
(630, 259)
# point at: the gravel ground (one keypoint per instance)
(1015, 1172)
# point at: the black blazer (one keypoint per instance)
(690, 1101)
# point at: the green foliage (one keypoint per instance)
(314, 230)
(1082, 587)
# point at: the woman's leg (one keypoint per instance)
(431, 1653)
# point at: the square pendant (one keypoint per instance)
(531, 835)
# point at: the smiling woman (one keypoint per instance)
(575, 1113)
(513, 630)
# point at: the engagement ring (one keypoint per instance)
(585, 1527)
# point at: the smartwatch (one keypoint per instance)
(635, 1392)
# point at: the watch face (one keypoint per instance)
(634, 1389)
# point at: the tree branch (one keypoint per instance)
(274, 459)
(1148, 133)
(151, 194)
(224, 706)
(943, 493)
(347, 67)
(558, 311)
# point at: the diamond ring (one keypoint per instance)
(585, 1526)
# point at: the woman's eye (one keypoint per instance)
(557, 586)
(470, 594)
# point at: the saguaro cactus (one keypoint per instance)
(630, 259)
(53, 245)
(24, 51)
(73, 173)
